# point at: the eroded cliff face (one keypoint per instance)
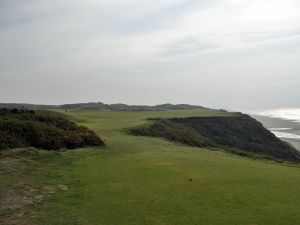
(239, 134)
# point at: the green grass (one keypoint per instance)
(143, 181)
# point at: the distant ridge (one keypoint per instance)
(99, 106)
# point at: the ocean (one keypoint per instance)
(284, 123)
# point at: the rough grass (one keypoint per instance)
(143, 181)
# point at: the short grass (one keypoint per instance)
(143, 181)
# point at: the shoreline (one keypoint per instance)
(284, 129)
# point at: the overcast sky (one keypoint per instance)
(239, 54)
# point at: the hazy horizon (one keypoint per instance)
(232, 54)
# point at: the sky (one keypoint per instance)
(232, 54)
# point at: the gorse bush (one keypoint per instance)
(43, 129)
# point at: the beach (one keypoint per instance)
(284, 123)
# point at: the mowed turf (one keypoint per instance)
(143, 181)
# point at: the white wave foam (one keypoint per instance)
(280, 129)
(292, 114)
(287, 135)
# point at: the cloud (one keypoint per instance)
(203, 41)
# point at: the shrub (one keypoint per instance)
(43, 129)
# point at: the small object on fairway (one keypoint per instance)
(190, 179)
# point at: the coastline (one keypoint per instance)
(286, 130)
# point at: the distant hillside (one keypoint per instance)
(239, 134)
(26, 106)
(42, 129)
(99, 106)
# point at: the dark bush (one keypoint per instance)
(42, 129)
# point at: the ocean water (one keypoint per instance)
(291, 114)
(284, 133)
(284, 123)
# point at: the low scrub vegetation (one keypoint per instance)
(173, 132)
(239, 134)
(42, 129)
